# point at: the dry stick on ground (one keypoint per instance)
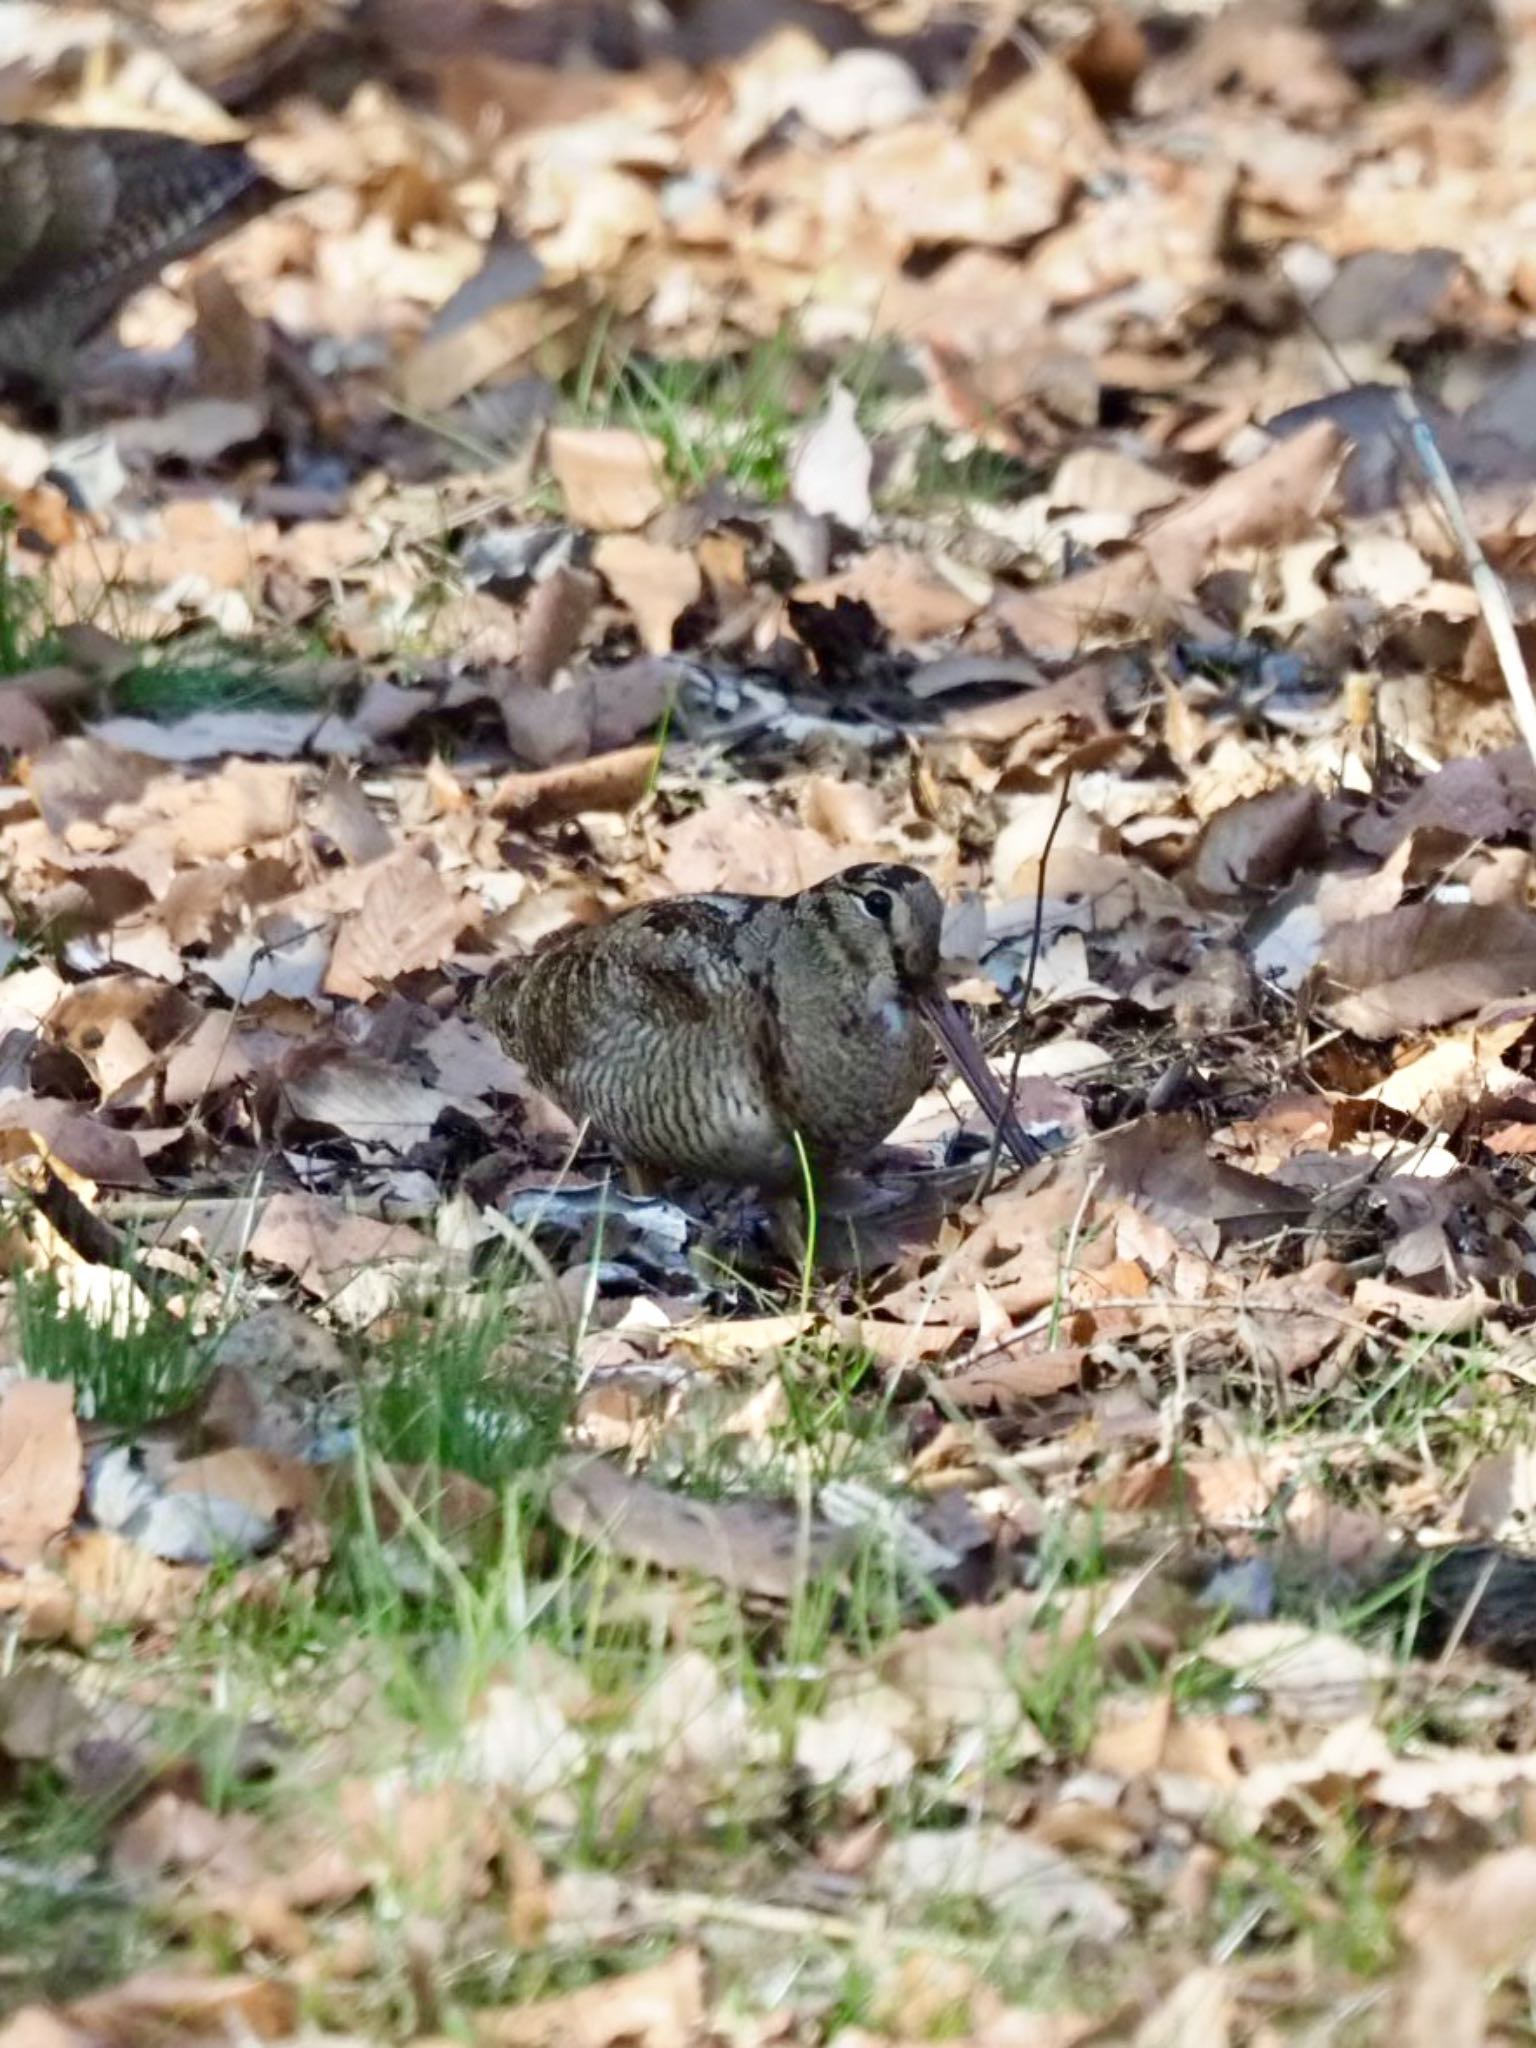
(95, 1240)
(1486, 583)
(1491, 594)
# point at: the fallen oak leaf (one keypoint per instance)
(408, 919)
(1275, 498)
(1426, 963)
(379, 1105)
(1012, 1380)
(322, 1243)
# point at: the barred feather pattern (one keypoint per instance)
(701, 1036)
(88, 215)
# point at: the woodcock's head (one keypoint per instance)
(878, 925)
(882, 918)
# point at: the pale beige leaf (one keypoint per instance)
(657, 583)
(1307, 1674)
(831, 464)
(409, 918)
(40, 1468)
(612, 480)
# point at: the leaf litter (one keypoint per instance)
(658, 451)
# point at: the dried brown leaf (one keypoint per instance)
(348, 820)
(408, 919)
(756, 1547)
(612, 480)
(1012, 1381)
(40, 1468)
(656, 583)
(607, 782)
(1425, 964)
(168, 2006)
(1307, 1674)
(323, 1244)
(662, 2007)
(553, 623)
(1261, 842)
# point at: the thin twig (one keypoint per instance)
(1486, 583)
(1468, 1609)
(1491, 594)
(1036, 934)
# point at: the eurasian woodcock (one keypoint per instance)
(88, 215)
(701, 1034)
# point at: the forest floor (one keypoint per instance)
(445, 1596)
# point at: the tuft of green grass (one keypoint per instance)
(1340, 1894)
(470, 1384)
(65, 1927)
(734, 418)
(26, 632)
(945, 473)
(730, 416)
(128, 1367)
(170, 689)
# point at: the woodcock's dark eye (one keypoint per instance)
(879, 903)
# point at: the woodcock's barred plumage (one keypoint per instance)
(87, 216)
(700, 1035)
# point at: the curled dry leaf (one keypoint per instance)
(831, 464)
(170, 2005)
(607, 782)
